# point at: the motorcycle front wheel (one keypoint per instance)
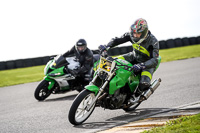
(78, 113)
(42, 91)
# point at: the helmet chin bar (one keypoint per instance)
(81, 50)
(139, 40)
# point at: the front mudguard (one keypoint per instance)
(92, 88)
(52, 82)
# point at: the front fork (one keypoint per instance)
(52, 82)
(101, 90)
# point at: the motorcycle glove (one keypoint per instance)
(103, 47)
(74, 72)
(138, 67)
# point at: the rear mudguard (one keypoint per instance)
(52, 82)
(92, 88)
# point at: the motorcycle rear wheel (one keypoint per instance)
(78, 113)
(42, 91)
(132, 107)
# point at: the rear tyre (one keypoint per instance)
(42, 91)
(132, 107)
(78, 113)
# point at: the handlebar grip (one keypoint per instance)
(104, 53)
(127, 68)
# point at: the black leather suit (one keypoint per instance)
(147, 52)
(85, 58)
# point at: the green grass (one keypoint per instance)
(180, 53)
(33, 74)
(185, 124)
(21, 75)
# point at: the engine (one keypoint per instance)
(114, 101)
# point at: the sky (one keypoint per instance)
(37, 28)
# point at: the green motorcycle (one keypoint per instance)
(58, 78)
(113, 84)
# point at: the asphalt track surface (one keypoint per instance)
(21, 113)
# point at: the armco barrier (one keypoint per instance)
(163, 44)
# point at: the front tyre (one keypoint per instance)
(78, 113)
(42, 91)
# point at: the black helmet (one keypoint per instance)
(140, 26)
(81, 45)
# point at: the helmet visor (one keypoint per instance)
(81, 48)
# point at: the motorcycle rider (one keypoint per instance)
(145, 52)
(85, 57)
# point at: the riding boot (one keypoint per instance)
(143, 86)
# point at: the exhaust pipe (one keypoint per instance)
(152, 88)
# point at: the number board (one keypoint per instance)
(103, 65)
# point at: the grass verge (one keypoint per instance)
(185, 124)
(21, 75)
(180, 53)
(33, 74)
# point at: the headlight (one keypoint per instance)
(54, 74)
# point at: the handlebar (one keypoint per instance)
(126, 67)
(105, 54)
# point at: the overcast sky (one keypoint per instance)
(36, 28)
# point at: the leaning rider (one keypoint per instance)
(145, 52)
(85, 57)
